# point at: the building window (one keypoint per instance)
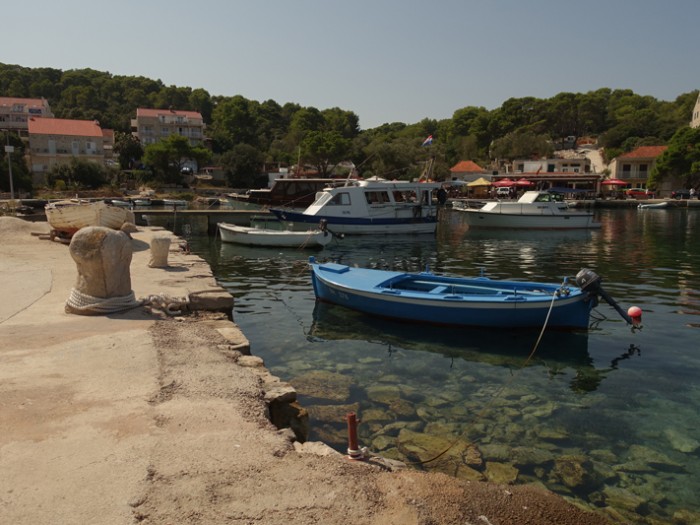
(643, 168)
(627, 168)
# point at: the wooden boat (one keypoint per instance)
(277, 238)
(653, 206)
(533, 210)
(456, 301)
(68, 216)
(294, 192)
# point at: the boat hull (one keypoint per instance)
(359, 226)
(481, 219)
(273, 238)
(67, 217)
(428, 298)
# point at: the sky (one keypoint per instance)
(385, 60)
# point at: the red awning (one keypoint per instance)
(507, 183)
(615, 182)
(524, 182)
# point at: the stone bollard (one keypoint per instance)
(103, 257)
(160, 246)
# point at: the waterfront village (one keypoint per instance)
(577, 169)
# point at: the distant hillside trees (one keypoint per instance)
(620, 119)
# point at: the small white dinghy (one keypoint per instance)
(274, 238)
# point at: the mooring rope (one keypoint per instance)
(88, 305)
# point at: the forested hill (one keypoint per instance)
(619, 119)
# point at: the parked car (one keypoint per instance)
(503, 191)
(680, 194)
(639, 193)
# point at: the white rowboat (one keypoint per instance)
(273, 238)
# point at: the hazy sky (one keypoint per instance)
(385, 60)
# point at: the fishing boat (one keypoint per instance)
(371, 206)
(457, 301)
(68, 216)
(533, 210)
(251, 236)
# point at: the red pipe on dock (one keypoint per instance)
(354, 451)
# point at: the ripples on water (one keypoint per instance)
(607, 418)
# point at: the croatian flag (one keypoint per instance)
(428, 141)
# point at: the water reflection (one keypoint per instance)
(619, 407)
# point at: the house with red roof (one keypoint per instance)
(15, 113)
(635, 166)
(153, 125)
(54, 141)
(468, 171)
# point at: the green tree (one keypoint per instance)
(323, 148)
(128, 148)
(167, 158)
(681, 160)
(21, 177)
(243, 166)
(78, 174)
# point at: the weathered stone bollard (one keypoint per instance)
(103, 286)
(160, 246)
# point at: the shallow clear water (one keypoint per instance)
(607, 418)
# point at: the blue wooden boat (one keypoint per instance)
(455, 301)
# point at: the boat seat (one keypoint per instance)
(334, 267)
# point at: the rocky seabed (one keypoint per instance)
(491, 429)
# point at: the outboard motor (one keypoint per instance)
(590, 282)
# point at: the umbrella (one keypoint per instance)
(615, 182)
(524, 182)
(481, 181)
(503, 183)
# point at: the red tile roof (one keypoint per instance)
(11, 101)
(147, 112)
(59, 126)
(467, 166)
(645, 152)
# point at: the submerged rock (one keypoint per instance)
(322, 384)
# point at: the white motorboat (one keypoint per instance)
(533, 210)
(68, 216)
(373, 206)
(274, 238)
(653, 205)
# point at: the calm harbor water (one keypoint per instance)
(605, 418)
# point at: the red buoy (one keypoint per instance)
(635, 313)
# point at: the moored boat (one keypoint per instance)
(68, 216)
(274, 238)
(653, 206)
(296, 192)
(458, 301)
(533, 210)
(373, 206)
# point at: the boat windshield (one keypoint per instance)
(327, 198)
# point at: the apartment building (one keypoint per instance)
(695, 121)
(55, 141)
(16, 112)
(635, 166)
(153, 125)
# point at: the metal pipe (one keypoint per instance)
(354, 451)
